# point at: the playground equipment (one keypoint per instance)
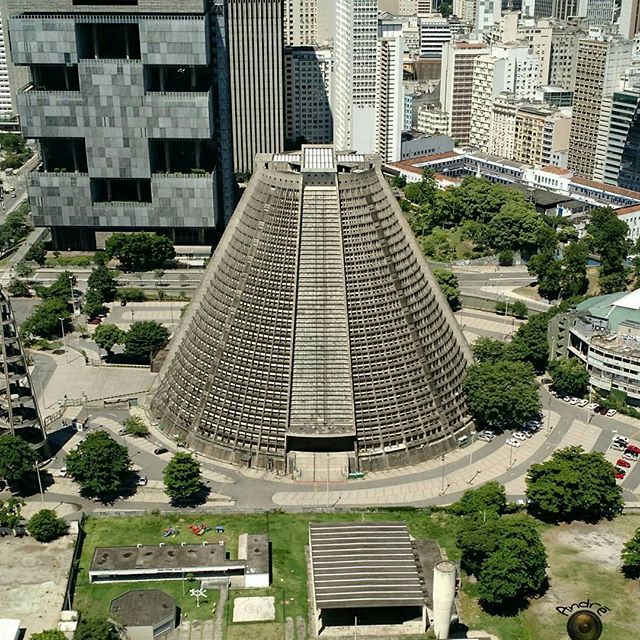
(199, 530)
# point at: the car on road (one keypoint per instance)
(520, 435)
(160, 450)
(611, 413)
(583, 403)
(62, 472)
(142, 481)
(623, 463)
(512, 442)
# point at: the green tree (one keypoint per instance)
(15, 227)
(37, 253)
(17, 460)
(99, 464)
(399, 182)
(574, 485)
(106, 336)
(61, 289)
(446, 9)
(93, 303)
(19, 289)
(515, 571)
(135, 426)
(182, 479)
(607, 236)
(412, 191)
(529, 344)
(144, 339)
(478, 199)
(44, 321)
(518, 227)
(24, 270)
(131, 294)
(501, 307)
(631, 557)
(96, 629)
(519, 309)
(501, 393)
(437, 245)
(50, 634)
(505, 258)
(45, 526)
(103, 281)
(574, 281)
(101, 258)
(140, 251)
(548, 271)
(488, 497)
(488, 350)
(11, 512)
(449, 285)
(570, 376)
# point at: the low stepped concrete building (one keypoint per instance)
(318, 328)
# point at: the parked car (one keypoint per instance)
(574, 401)
(592, 406)
(520, 435)
(622, 463)
(617, 446)
(622, 439)
(160, 450)
(483, 436)
(512, 442)
(631, 457)
(567, 398)
(611, 413)
(142, 481)
(122, 431)
(631, 448)
(622, 471)
(94, 320)
(62, 472)
(620, 475)
(583, 403)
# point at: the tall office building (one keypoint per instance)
(308, 77)
(600, 65)
(300, 23)
(564, 49)
(355, 355)
(618, 147)
(486, 15)
(355, 75)
(5, 90)
(389, 98)
(509, 68)
(435, 32)
(564, 9)
(629, 20)
(598, 13)
(456, 85)
(256, 74)
(127, 103)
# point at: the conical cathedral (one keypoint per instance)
(318, 327)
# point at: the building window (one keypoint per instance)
(108, 41)
(120, 190)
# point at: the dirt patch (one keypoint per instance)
(597, 543)
(33, 579)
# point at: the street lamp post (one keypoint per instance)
(40, 483)
(66, 350)
(442, 486)
(73, 296)
(511, 460)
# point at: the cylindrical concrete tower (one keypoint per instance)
(444, 591)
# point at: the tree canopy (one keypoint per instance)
(630, 557)
(506, 555)
(140, 251)
(501, 393)
(104, 282)
(135, 426)
(17, 460)
(46, 526)
(570, 376)
(144, 339)
(449, 285)
(49, 634)
(489, 349)
(106, 336)
(488, 497)
(96, 629)
(574, 485)
(182, 479)
(11, 512)
(44, 321)
(99, 464)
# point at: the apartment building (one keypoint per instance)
(456, 85)
(564, 49)
(389, 98)
(600, 65)
(300, 23)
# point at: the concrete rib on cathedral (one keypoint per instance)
(318, 327)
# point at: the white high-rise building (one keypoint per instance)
(389, 98)
(5, 91)
(509, 68)
(354, 102)
(434, 33)
(300, 23)
(487, 14)
(599, 13)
